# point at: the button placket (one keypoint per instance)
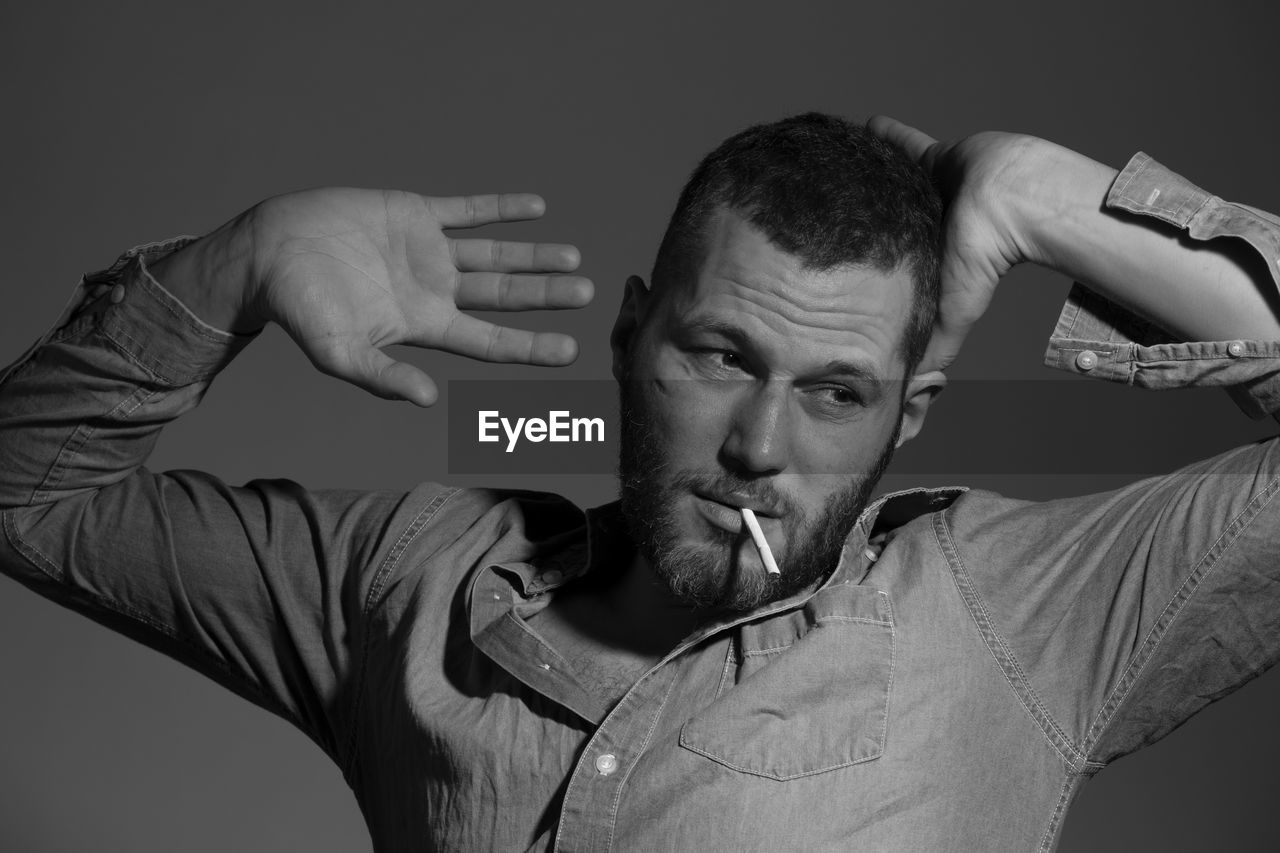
(591, 800)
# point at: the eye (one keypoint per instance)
(721, 361)
(729, 360)
(838, 397)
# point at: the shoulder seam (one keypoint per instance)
(388, 563)
(1055, 820)
(1169, 615)
(1002, 653)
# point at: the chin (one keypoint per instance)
(713, 577)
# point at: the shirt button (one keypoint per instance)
(1235, 349)
(1087, 360)
(606, 763)
(552, 577)
(117, 294)
(870, 554)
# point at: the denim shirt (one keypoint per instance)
(969, 663)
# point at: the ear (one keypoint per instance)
(922, 389)
(635, 303)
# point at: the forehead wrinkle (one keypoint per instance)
(744, 279)
(787, 316)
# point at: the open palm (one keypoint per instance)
(347, 272)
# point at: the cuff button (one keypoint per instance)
(1087, 360)
(1235, 349)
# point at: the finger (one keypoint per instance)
(943, 349)
(916, 143)
(508, 256)
(490, 342)
(487, 291)
(967, 293)
(470, 211)
(378, 373)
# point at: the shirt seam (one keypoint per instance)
(788, 777)
(1174, 608)
(1004, 657)
(1135, 167)
(1113, 349)
(731, 664)
(178, 309)
(1055, 819)
(631, 765)
(372, 599)
(76, 441)
(764, 652)
(110, 330)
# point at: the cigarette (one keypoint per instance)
(762, 544)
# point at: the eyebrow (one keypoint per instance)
(862, 374)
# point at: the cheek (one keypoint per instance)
(689, 414)
(690, 421)
(836, 454)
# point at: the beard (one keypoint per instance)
(708, 575)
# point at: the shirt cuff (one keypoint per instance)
(1099, 338)
(146, 322)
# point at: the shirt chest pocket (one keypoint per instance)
(806, 693)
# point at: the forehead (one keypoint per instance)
(745, 281)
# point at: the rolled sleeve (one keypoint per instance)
(143, 321)
(1098, 338)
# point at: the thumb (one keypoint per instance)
(916, 144)
(943, 349)
(379, 374)
(967, 289)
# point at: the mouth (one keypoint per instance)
(722, 510)
(739, 500)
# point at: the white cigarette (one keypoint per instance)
(762, 544)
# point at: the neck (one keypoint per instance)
(629, 614)
(641, 602)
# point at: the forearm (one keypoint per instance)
(214, 277)
(84, 409)
(1197, 290)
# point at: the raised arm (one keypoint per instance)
(1014, 199)
(263, 587)
(1117, 616)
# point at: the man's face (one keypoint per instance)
(761, 385)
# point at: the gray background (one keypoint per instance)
(126, 123)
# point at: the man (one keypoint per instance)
(939, 670)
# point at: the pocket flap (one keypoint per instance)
(811, 692)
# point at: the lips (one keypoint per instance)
(739, 500)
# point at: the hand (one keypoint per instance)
(347, 272)
(980, 177)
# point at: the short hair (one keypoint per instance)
(823, 190)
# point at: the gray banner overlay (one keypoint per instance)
(1023, 427)
(518, 445)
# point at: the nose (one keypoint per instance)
(757, 442)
